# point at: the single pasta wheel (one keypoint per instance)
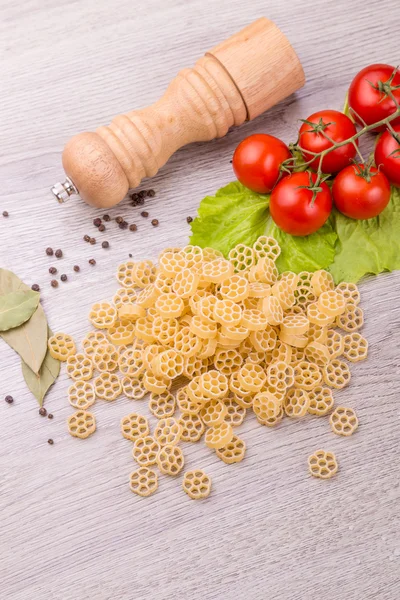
(210, 254)
(355, 347)
(185, 404)
(133, 387)
(150, 352)
(236, 387)
(169, 305)
(121, 333)
(81, 395)
(131, 362)
(266, 406)
(187, 343)
(332, 303)
(350, 292)
(205, 308)
(296, 403)
(165, 330)
(219, 436)
(61, 346)
(162, 405)
(193, 367)
(154, 384)
(298, 355)
(186, 283)
(168, 432)
(266, 271)
(253, 319)
(213, 412)
(196, 484)
(214, 384)
(105, 358)
(322, 464)
(321, 401)
(227, 313)
(235, 288)
(266, 247)
(103, 315)
(284, 293)
(336, 374)
(203, 329)
(273, 310)
(131, 312)
(235, 412)
(317, 353)
(265, 340)
(257, 289)
(124, 274)
(252, 377)
(134, 426)
(195, 299)
(303, 292)
(124, 296)
(334, 343)
(107, 386)
(295, 324)
(281, 352)
(163, 283)
(192, 427)
(227, 360)
(352, 319)
(291, 278)
(233, 452)
(79, 367)
(171, 262)
(193, 255)
(343, 421)
(243, 401)
(318, 334)
(280, 376)
(242, 257)
(145, 450)
(92, 340)
(216, 271)
(296, 341)
(321, 281)
(81, 424)
(148, 296)
(170, 460)
(144, 330)
(168, 364)
(238, 333)
(143, 273)
(316, 316)
(307, 375)
(226, 342)
(143, 482)
(272, 421)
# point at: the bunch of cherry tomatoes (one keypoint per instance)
(301, 202)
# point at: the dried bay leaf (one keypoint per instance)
(16, 308)
(40, 383)
(29, 339)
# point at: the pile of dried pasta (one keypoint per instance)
(235, 334)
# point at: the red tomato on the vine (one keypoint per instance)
(292, 206)
(359, 195)
(387, 155)
(257, 160)
(338, 127)
(369, 103)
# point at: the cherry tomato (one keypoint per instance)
(257, 159)
(387, 155)
(358, 198)
(338, 127)
(292, 207)
(367, 101)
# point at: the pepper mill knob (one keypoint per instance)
(235, 81)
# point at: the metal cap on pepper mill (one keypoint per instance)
(236, 81)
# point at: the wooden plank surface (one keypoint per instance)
(70, 527)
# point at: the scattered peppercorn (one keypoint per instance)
(135, 196)
(123, 225)
(5, 213)
(155, 222)
(102, 227)
(119, 220)
(63, 277)
(133, 227)
(231, 161)
(151, 193)
(142, 194)
(49, 251)
(105, 244)
(42, 412)
(9, 399)
(86, 238)
(140, 201)
(97, 222)
(50, 416)
(144, 214)
(54, 283)
(106, 218)
(58, 253)
(189, 219)
(52, 270)
(92, 261)
(50, 441)
(130, 255)
(92, 241)
(77, 268)
(35, 287)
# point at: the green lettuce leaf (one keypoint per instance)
(349, 249)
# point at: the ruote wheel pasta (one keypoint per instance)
(168, 432)
(355, 347)
(192, 427)
(92, 340)
(131, 362)
(107, 386)
(103, 315)
(171, 262)
(266, 406)
(81, 424)
(343, 421)
(124, 296)
(61, 346)
(352, 319)
(235, 288)
(168, 364)
(216, 271)
(165, 330)
(280, 376)
(145, 450)
(143, 273)
(105, 358)
(154, 384)
(266, 271)
(205, 308)
(203, 329)
(134, 426)
(321, 401)
(332, 303)
(147, 296)
(273, 310)
(196, 484)
(227, 360)
(253, 319)
(227, 313)
(334, 343)
(213, 412)
(317, 353)
(233, 452)
(187, 405)
(242, 257)
(296, 403)
(133, 387)
(316, 316)
(193, 255)
(185, 283)
(162, 405)
(251, 377)
(266, 247)
(187, 343)
(219, 436)
(163, 283)
(81, 395)
(235, 413)
(321, 281)
(322, 464)
(295, 324)
(281, 352)
(307, 375)
(124, 274)
(143, 482)
(169, 305)
(170, 460)
(79, 367)
(336, 374)
(131, 312)
(265, 340)
(121, 333)
(214, 384)
(284, 293)
(296, 341)
(350, 292)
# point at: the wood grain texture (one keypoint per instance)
(70, 528)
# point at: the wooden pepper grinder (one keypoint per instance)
(235, 81)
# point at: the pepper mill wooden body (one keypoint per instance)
(235, 81)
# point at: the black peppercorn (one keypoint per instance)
(106, 218)
(52, 270)
(86, 238)
(133, 227)
(142, 194)
(42, 412)
(9, 399)
(135, 196)
(130, 255)
(54, 283)
(50, 441)
(58, 253)
(5, 213)
(144, 214)
(155, 222)
(97, 222)
(123, 225)
(49, 251)
(105, 245)
(102, 227)
(92, 241)
(77, 268)
(189, 219)
(119, 220)
(50, 416)
(92, 261)
(35, 287)
(63, 277)
(151, 193)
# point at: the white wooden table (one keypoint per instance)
(70, 527)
